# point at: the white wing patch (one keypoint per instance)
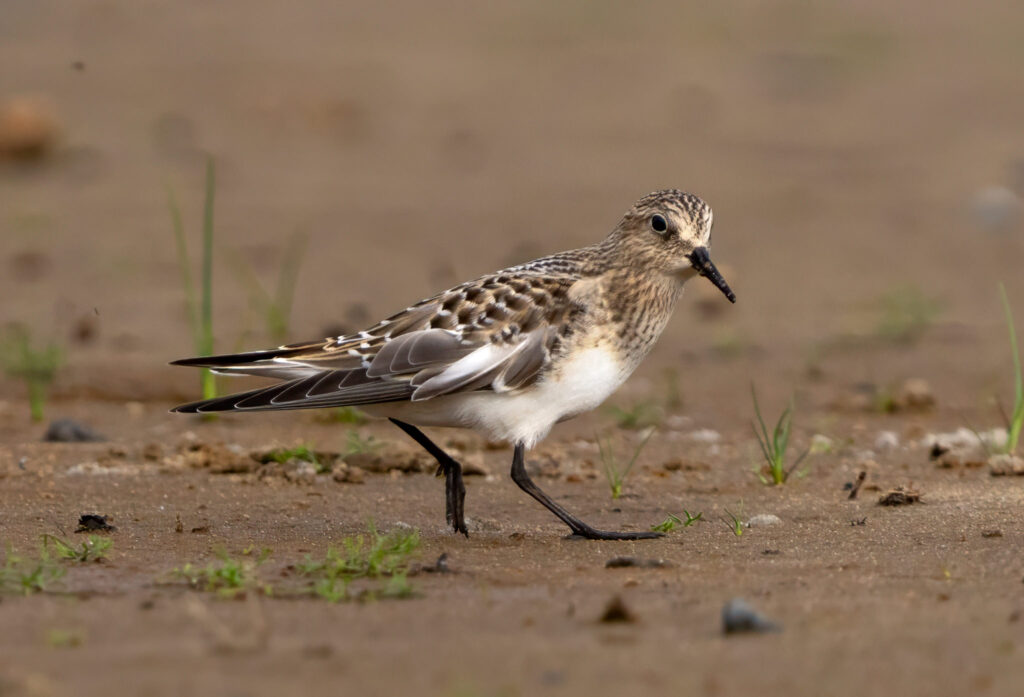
(479, 368)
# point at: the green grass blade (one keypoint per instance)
(1017, 418)
(760, 442)
(183, 265)
(760, 419)
(206, 316)
(636, 452)
(782, 431)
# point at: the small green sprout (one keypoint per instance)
(230, 577)
(667, 525)
(36, 366)
(615, 475)
(94, 548)
(23, 576)
(670, 523)
(282, 455)
(356, 443)
(372, 557)
(773, 446)
(200, 310)
(905, 314)
(735, 523)
(302, 452)
(64, 638)
(347, 415)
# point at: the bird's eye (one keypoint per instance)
(658, 223)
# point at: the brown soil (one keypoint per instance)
(420, 144)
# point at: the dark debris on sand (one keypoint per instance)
(635, 562)
(92, 522)
(900, 496)
(739, 617)
(69, 431)
(616, 611)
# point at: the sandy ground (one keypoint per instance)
(415, 145)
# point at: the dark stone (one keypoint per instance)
(68, 431)
(91, 522)
(738, 617)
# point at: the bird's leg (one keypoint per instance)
(454, 489)
(578, 527)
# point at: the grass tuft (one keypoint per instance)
(36, 366)
(228, 578)
(94, 548)
(302, 452)
(24, 576)
(615, 474)
(64, 638)
(199, 305)
(352, 416)
(373, 557)
(735, 523)
(774, 445)
(673, 521)
(905, 314)
(356, 443)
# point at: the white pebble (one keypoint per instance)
(887, 440)
(763, 520)
(677, 422)
(705, 435)
(996, 208)
(820, 443)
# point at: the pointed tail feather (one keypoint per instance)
(232, 360)
(306, 393)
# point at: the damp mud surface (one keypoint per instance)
(864, 165)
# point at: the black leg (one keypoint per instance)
(454, 489)
(578, 527)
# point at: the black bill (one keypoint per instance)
(706, 268)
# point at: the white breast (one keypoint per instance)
(583, 382)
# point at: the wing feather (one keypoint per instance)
(496, 333)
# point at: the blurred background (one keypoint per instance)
(864, 161)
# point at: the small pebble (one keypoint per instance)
(900, 496)
(1003, 465)
(821, 444)
(68, 431)
(624, 562)
(616, 611)
(763, 520)
(28, 127)
(738, 616)
(887, 440)
(440, 566)
(705, 435)
(995, 208)
(915, 394)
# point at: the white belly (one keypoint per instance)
(526, 416)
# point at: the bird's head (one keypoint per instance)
(670, 232)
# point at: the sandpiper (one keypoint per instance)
(509, 354)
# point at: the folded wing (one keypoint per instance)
(497, 333)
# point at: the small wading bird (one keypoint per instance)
(510, 354)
